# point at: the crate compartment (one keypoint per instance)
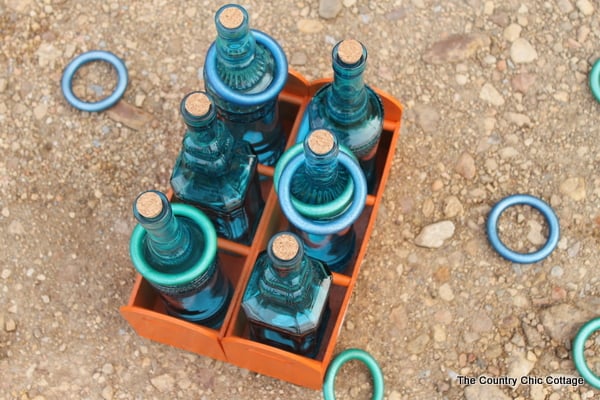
(146, 314)
(271, 361)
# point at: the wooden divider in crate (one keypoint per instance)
(231, 342)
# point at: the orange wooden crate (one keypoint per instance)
(231, 343)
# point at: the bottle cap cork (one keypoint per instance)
(198, 104)
(321, 141)
(350, 51)
(149, 205)
(231, 17)
(285, 247)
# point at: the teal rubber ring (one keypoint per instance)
(344, 357)
(316, 211)
(595, 80)
(166, 279)
(578, 348)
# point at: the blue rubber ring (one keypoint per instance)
(255, 99)
(344, 357)
(595, 80)
(316, 211)
(542, 207)
(335, 225)
(578, 352)
(94, 55)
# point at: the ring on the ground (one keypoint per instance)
(578, 348)
(595, 80)
(542, 207)
(344, 357)
(78, 62)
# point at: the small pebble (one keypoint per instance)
(10, 325)
(329, 8)
(163, 383)
(452, 207)
(491, 95)
(522, 52)
(557, 271)
(512, 32)
(465, 166)
(445, 292)
(434, 235)
(585, 7)
(574, 188)
(108, 369)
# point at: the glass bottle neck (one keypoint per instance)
(207, 145)
(236, 46)
(348, 98)
(168, 241)
(322, 169)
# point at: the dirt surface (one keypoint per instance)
(496, 103)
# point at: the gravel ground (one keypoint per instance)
(496, 103)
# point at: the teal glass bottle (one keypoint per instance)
(216, 173)
(244, 72)
(174, 247)
(348, 107)
(322, 190)
(286, 300)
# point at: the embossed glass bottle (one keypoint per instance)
(216, 173)
(348, 107)
(322, 191)
(174, 247)
(286, 300)
(244, 72)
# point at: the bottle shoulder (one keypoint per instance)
(253, 77)
(297, 308)
(317, 109)
(216, 189)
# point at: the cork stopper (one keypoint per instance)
(320, 141)
(198, 104)
(231, 17)
(350, 51)
(149, 205)
(285, 247)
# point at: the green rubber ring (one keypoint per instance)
(316, 211)
(595, 80)
(344, 357)
(168, 279)
(579, 358)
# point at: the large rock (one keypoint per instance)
(522, 52)
(562, 321)
(455, 48)
(434, 235)
(329, 8)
